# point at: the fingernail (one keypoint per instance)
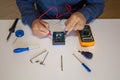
(49, 33)
(65, 29)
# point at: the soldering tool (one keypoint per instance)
(12, 28)
(83, 64)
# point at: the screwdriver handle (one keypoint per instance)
(19, 50)
(86, 67)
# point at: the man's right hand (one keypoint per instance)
(40, 30)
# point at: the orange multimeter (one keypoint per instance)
(85, 36)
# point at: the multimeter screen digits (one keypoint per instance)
(86, 34)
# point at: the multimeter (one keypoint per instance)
(85, 36)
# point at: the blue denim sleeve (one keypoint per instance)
(93, 9)
(28, 11)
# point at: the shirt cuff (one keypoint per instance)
(86, 15)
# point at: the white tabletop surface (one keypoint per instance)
(104, 64)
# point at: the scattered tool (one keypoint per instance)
(84, 65)
(35, 61)
(19, 50)
(12, 28)
(42, 62)
(38, 55)
(86, 54)
(61, 63)
(18, 34)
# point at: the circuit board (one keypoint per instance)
(58, 38)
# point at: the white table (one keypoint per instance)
(104, 64)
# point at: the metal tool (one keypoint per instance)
(61, 63)
(84, 65)
(18, 34)
(38, 55)
(19, 50)
(42, 62)
(12, 28)
(35, 61)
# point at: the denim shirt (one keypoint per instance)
(33, 9)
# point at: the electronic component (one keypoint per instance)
(58, 38)
(85, 36)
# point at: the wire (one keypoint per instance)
(68, 7)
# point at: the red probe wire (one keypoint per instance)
(68, 7)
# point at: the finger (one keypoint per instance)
(43, 29)
(39, 33)
(69, 30)
(69, 23)
(45, 24)
(78, 26)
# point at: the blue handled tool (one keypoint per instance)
(84, 65)
(18, 34)
(19, 50)
(86, 54)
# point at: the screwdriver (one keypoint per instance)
(84, 65)
(86, 54)
(19, 50)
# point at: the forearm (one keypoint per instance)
(28, 11)
(92, 10)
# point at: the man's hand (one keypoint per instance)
(75, 22)
(40, 30)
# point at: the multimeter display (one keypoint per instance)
(86, 37)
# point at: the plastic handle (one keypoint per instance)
(19, 50)
(87, 54)
(19, 33)
(86, 67)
